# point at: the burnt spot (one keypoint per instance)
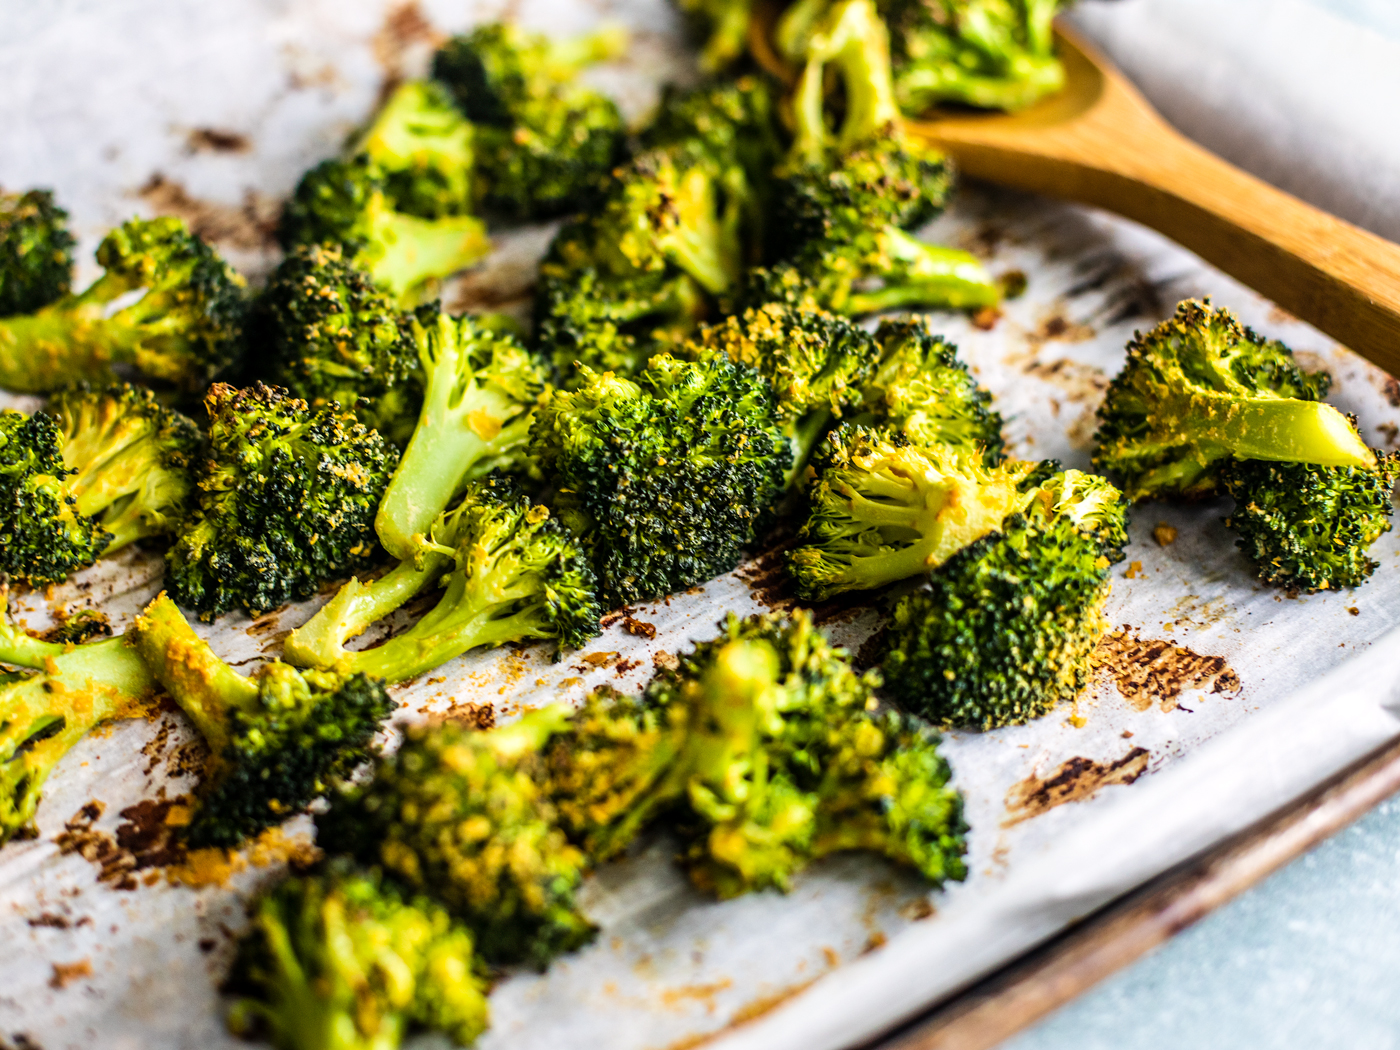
(1072, 781)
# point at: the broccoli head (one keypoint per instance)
(1007, 625)
(994, 54)
(275, 740)
(543, 139)
(184, 328)
(513, 573)
(1201, 388)
(285, 501)
(349, 203)
(1307, 527)
(663, 479)
(340, 959)
(422, 146)
(456, 814)
(36, 252)
(480, 389)
(883, 509)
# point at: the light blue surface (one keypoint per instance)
(1380, 15)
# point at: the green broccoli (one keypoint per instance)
(184, 328)
(456, 814)
(92, 474)
(994, 54)
(275, 740)
(1007, 625)
(725, 25)
(480, 389)
(884, 509)
(423, 148)
(543, 139)
(512, 573)
(845, 197)
(36, 252)
(340, 959)
(75, 689)
(285, 502)
(1201, 388)
(1307, 527)
(330, 335)
(663, 479)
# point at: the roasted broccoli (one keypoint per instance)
(883, 509)
(543, 139)
(340, 960)
(36, 252)
(455, 813)
(845, 197)
(423, 148)
(275, 740)
(285, 502)
(1307, 527)
(1201, 388)
(1006, 626)
(184, 328)
(74, 689)
(480, 388)
(665, 478)
(995, 54)
(94, 472)
(510, 573)
(725, 27)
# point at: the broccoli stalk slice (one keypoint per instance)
(917, 274)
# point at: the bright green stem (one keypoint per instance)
(705, 244)
(1282, 429)
(602, 45)
(58, 345)
(204, 686)
(923, 86)
(794, 30)
(728, 36)
(926, 275)
(406, 251)
(320, 642)
(802, 435)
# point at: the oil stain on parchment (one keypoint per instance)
(251, 226)
(1153, 670)
(1071, 781)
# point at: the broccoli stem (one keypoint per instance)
(38, 350)
(413, 250)
(922, 87)
(601, 45)
(803, 434)
(704, 244)
(926, 275)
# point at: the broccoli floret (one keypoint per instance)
(275, 740)
(285, 502)
(45, 714)
(423, 147)
(36, 252)
(330, 335)
(665, 478)
(845, 198)
(995, 54)
(480, 388)
(1201, 388)
(92, 474)
(1307, 527)
(455, 813)
(725, 26)
(340, 959)
(184, 328)
(515, 574)
(1007, 625)
(348, 202)
(883, 509)
(543, 139)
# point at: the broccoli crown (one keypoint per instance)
(1007, 625)
(133, 460)
(995, 54)
(422, 146)
(516, 574)
(663, 478)
(285, 502)
(36, 252)
(884, 509)
(1307, 527)
(348, 202)
(455, 813)
(276, 740)
(544, 140)
(339, 958)
(1200, 388)
(922, 388)
(480, 389)
(43, 537)
(185, 328)
(330, 335)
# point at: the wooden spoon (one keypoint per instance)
(1099, 142)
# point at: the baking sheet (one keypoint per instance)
(211, 111)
